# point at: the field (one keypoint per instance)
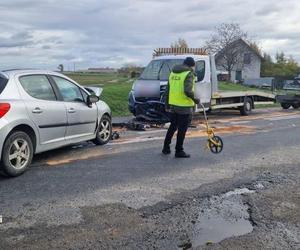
(116, 89)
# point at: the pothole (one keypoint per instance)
(226, 216)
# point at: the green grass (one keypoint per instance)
(261, 106)
(116, 96)
(227, 86)
(97, 78)
(115, 89)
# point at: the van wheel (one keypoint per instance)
(285, 105)
(296, 106)
(17, 154)
(104, 131)
(247, 108)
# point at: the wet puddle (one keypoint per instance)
(225, 217)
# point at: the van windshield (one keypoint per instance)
(159, 69)
(3, 82)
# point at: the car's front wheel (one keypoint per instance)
(104, 131)
(17, 153)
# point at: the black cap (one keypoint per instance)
(189, 61)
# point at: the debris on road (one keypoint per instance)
(133, 124)
(115, 135)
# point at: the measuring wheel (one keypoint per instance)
(215, 144)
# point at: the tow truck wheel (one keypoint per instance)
(296, 106)
(247, 108)
(285, 105)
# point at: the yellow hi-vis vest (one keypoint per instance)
(177, 96)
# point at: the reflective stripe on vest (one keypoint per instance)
(177, 96)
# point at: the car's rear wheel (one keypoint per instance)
(104, 131)
(296, 105)
(285, 105)
(17, 153)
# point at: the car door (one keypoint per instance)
(203, 87)
(44, 109)
(82, 119)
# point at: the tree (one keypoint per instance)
(221, 42)
(61, 68)
(280, 57)
(256, 48)
(282, 69)
(180, 43)
(267, 65)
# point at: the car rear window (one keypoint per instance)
(3, 82)
(38, 87)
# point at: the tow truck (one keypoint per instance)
(147, 97)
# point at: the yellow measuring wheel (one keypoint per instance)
(214, 142)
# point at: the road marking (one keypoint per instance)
(81, 156)
(151, 131)
(137, 139)
(239, 122)
(283, 118)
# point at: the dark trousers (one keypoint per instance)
(181, 123)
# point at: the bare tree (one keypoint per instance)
(222, 42)
(180, 43)
(61, 68)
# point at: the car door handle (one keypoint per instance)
(71, 110)
(37, 111)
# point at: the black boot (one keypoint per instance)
(166, 150)
(182, 154)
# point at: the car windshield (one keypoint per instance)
(3, 82)
(160, 69)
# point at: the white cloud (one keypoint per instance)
(113, 32)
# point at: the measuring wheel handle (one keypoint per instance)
(215, 144)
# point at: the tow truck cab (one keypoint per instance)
(147, 97)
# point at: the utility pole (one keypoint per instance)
(74, 67)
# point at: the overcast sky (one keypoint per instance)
(97, 33)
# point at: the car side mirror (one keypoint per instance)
(92, 99)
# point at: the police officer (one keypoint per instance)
(180, 104)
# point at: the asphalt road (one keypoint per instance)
(126, 195)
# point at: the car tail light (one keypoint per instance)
(4, 108)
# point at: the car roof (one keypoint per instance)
(12, 72)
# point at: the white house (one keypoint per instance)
(247, 62)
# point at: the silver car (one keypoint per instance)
(43, 110)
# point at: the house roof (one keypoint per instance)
(240, 41)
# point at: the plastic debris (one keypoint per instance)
(115, 135)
